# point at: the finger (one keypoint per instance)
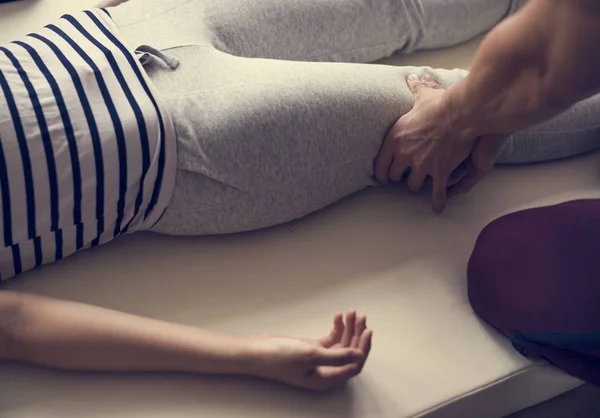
(338, 325)
(335, 335)
(365, 346)
(467, 183)
(359, 328)
(335, 356)
(398, 169)
(335, 376)
(416, 179)
(480, 163)
(457, 175)
(349, 329)
(366, 340)
(440, 190)
(416, 84)
(430, 82)
(384, 159)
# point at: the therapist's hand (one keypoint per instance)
(425, 142)
(479, 164)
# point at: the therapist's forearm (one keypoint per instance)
(530, 68)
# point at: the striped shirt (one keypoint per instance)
(87, 149)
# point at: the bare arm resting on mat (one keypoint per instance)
(80, 337)
(530, 68)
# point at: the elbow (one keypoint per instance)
(11, 312)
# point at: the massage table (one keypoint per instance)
(382, 252)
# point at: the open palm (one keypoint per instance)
(321, 364)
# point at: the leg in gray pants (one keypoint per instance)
(266, 135)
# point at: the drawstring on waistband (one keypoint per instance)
(146, 54)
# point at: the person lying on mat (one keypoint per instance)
(182, 118)
(534, 274)
(87, 153)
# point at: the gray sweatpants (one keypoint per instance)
(267, 135)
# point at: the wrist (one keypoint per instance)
(243, 358)
(246, 355)
(462, 118)
(216, 354)
(256, 356)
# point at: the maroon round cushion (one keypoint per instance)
(535, 275)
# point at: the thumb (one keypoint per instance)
(480, 163)
(336, 356)
(417, 84)
(469, 181)
(487, 149)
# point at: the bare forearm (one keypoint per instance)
(75, 336)
(530, 68)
